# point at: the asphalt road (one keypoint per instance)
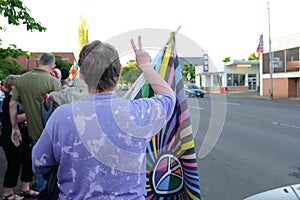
(258, 147)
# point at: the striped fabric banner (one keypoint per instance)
(172, 171)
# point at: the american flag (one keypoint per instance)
(260, 48)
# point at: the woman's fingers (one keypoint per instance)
(133, 45)
(139, 43)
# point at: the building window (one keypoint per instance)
(216, 80)
(235, 79)
(229, 79)
(242, 79)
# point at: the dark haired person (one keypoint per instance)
(64, 76)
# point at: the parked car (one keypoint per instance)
(125, 87)
(194, 90)
(290, 192)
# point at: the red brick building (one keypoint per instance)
(31, 61)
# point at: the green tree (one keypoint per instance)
(226, 59)
(253, 56)
(9, 67)
(11, 52)
(188, 68)
(16, 14)
(60, 63)
(130, 72)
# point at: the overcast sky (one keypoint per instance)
(221, 28)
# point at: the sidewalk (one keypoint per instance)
(253, 95)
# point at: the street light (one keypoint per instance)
(27, 59)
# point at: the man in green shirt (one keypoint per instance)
(31, 88)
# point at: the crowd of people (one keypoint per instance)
(96, 138)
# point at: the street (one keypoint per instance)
(244, 147)
(257, 149)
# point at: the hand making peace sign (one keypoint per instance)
(141, 56)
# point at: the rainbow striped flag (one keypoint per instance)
(172, 171)
(74, 74)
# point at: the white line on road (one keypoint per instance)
(194, 107)
(286, 125)
(229, 103)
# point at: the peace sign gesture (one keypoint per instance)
(141, 56)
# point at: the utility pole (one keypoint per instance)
(270, 56)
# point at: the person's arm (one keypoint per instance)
(57, 86)
(158, 84)
(61, 97)
(21, 117)
(15, 132)
(42, 154)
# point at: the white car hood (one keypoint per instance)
(291, 192)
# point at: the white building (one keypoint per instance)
(285, 71)
(241, 75)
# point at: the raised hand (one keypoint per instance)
(141, 56)
(158, 84)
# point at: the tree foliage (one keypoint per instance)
(11, 51)
(130, 72)
(8, 67)
(188, 68)
(17, 13)
(60, 63)
(253, 56)
(226, 59)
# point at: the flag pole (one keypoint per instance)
(270, 56)
(127, 94)
(179, 27)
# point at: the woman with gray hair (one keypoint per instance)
(100, 141)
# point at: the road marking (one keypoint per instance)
(286, 125)
(229, 103)
(197, 108)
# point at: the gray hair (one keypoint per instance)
(47, 59)
(100, 65)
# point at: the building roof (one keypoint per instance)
(193, 60)
(242, 62)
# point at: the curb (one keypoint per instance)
(253, 96)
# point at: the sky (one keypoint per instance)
(228, 28)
